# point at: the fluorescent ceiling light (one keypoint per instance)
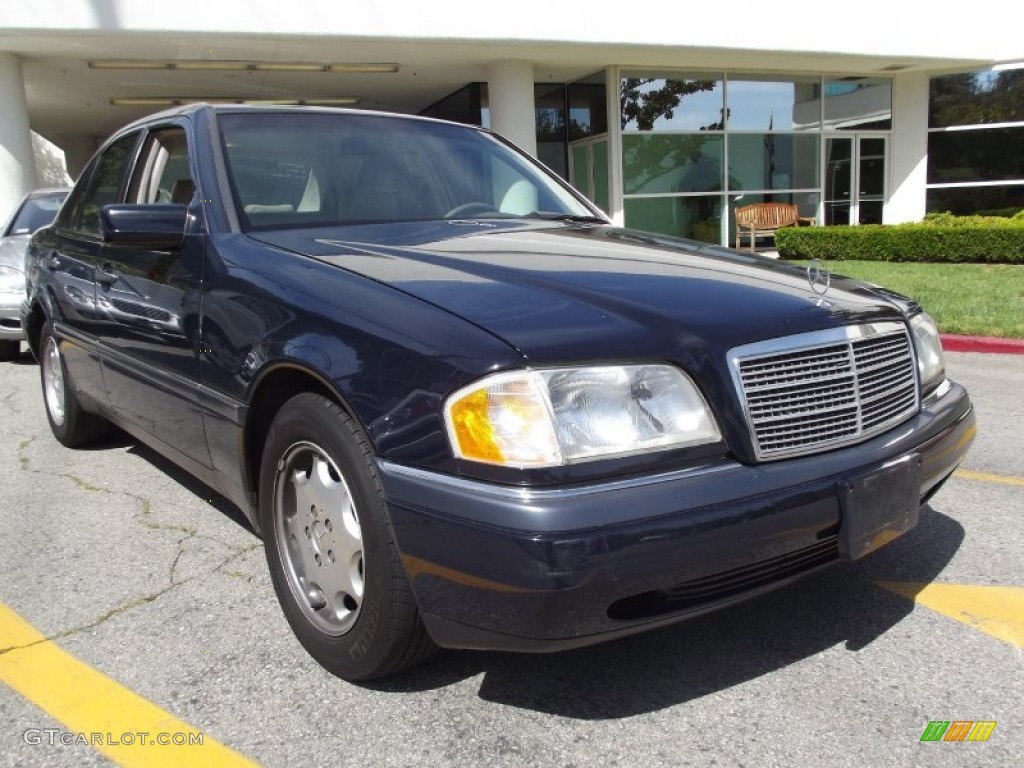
(280, 66)
(177, 101)
(128, 64)
(243, 65)
(389, 69)
(143, 102)
(224, 64)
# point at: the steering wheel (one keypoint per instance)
(470, 209)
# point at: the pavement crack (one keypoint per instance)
(85, 485)
(237, 554)
(117, 610)
(23, 460)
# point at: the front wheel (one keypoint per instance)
(332, 556)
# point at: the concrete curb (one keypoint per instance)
(951, 343)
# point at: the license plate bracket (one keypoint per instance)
(879, 506)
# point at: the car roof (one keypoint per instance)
(186, 110)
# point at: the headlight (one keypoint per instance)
(930, 363)
(11, 280)
(547, 418)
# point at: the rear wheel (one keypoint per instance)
(329, 545)
(70, 423)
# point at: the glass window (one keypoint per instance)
(974, 98)
(655, 164)
(581, 169)
(773, 104)
(996, 200)
(773, 161)
(105, 185)
(372, 168)
(988, 154)
(588, 107)
(462, 106)
(552, 135)
(599, 152)
(682, 103)
(37, 212)
(858, 103)
(697, 217)
(162, 174)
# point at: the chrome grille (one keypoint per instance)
(814, 392)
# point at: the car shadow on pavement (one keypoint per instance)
(183, 478)
(24, 358)
(709, 653)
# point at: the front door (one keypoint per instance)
(855, 174)
(149, 304)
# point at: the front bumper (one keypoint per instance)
(10, 317)
(502, 568)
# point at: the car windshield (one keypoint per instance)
(315, 169)
(37, 212)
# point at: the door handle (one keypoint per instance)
(106, 275)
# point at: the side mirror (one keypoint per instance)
(160, 227)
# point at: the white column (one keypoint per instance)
(615, 184)
(17, 159)
(908, 153)
(510, 99)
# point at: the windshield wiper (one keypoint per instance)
(556, 216)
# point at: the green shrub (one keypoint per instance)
(974, 220)
(977, 240)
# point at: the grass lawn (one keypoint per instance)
(976, 299)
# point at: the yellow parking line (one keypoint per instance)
(995, 610)
(97, 711)
(986, 477)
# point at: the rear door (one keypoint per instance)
(70, 255)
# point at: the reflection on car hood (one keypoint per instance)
(12, 251)
(551, 290)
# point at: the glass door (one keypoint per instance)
(588, 169)
(855, 179)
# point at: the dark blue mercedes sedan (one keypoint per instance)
(460, 407)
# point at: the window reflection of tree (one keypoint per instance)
(974, 99)
(645, 106)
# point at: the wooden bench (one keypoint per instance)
(762, 219)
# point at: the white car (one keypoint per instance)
(36, 209)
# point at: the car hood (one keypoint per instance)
(560, 292)
(12, 251)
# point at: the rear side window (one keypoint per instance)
(104, 186)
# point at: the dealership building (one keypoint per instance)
(667, 115)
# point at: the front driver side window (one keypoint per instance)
(163, 174)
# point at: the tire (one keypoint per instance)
(329, 545)
(9, 350)
(70, 423)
